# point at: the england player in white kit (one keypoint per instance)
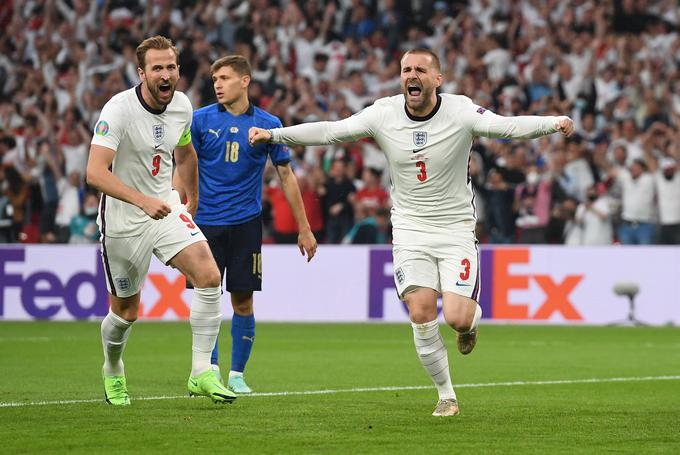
(140, 214)
(426, 138)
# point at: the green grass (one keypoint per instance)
(61, 361)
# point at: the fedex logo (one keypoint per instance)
(498, 282)
(42, 293)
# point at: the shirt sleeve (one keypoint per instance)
(279, 153)
(362, 124)
(196, 136)
(111, 125)
(482, 122)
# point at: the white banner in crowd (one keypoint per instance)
(542, 284)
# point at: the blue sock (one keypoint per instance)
(215, 352)
(242, 337)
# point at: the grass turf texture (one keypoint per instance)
(62, 361)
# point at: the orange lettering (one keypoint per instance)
(170, 297)
(503, 282)
(557, 297)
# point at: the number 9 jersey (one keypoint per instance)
(144, 140)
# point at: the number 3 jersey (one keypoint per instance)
(427, 156)
(144, 140)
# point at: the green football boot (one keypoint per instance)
(115, 390)
(207, 385)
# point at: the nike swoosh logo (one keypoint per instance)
(251, 339)
(156, 146)
(193, 383)
(458, 283)
(418, 150)
(194, 233)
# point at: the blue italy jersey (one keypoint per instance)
(229, 168)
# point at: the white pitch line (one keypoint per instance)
(369, 389)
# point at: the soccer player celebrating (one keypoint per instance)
(139, 214)
(230, 198)
(426, 138)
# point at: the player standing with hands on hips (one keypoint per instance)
(230, 199)
(139, 214)
(426, 138)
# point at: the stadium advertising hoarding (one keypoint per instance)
(541, 284)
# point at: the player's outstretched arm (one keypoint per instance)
(187, 173)
(320, 133)
(100, 177)
(306, 241)
(487, 124)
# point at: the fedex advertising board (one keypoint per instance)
(538, 284)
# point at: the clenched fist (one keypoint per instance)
(258, 136)
(564, 125)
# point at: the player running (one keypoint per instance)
(139, 214)
(230, 199)
(426, 138)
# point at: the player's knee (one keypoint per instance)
(130, 314)
(242, 302)
(458, 319)
(208, 279)
(421, 315)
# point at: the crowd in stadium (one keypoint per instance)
(612, 66)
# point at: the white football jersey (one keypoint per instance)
(144, 140)
(427, 156)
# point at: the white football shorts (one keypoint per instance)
(126, 259)
(439, 259)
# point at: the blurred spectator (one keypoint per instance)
(667, 182)
(499, 200)
(593, 217)
(532, 205)
(83, 227)
(370, 228)
(338, 194)
(372, 195)
(285, 230)
(638, 204)
(16, 191)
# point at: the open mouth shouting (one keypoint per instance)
(414, 90)
(165, 89)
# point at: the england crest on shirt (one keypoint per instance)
(420, 138)
(158, 132)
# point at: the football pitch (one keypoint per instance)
(346, 388)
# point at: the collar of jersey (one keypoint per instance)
(428, 116)
(138, 91)
(249, 111)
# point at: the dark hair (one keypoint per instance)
(423, 50)
(155, 42)
(238, 63)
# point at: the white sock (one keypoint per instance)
(115, 332)
(434, 357)
(205, 318)
(476, 318)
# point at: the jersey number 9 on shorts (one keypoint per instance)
(231, 151)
